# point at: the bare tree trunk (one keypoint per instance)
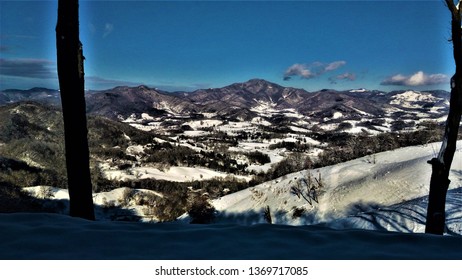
(439, 183)
(71, 83)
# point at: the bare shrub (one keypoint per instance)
(127, 196)
(201, 211)
(45, 192)
(308, 188)
(256, 194)
(171, 207)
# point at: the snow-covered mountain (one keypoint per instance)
(242, 99)
(245, 101)
(37, 94)
(122, 102)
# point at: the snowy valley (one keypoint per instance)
(242, 156)
(384, 191)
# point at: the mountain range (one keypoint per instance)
(241, 100)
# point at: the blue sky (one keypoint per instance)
(185, 45)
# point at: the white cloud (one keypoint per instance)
(334, 65)
(315, 69)
(345, 76)
(416, 79)
(298, 70)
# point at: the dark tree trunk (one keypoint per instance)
(439, 183)
(71, 83)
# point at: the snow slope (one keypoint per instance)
(384, 191)
(410, 99)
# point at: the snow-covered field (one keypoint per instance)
(174, 173)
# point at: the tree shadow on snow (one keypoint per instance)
(108, 213)
(409, 216)
(260, 217)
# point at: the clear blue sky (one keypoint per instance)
(187, 45)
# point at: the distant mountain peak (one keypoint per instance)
(143, 87)
(256, 86)
(258, 81)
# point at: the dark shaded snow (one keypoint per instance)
(51, 236)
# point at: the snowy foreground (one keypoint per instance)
(52, 236)
(369, 208)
